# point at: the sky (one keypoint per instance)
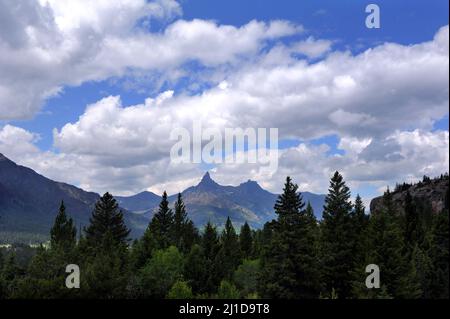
(90, 90)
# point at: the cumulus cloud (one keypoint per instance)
(339, 95)
(51, 44)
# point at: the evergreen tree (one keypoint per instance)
(180, 219)
(184, 231)
(107, 218)
(424, 269)
(210, 246)
(196, 271)
(210, 241)
(338, 241)
(387, 250)
(440, 254)
(359, 221)
(180, 290)
(227, 291)
(161, 227)
(246, 241)
(9, 277)
(413, 228)
(104, 252)
(106, 274)
(228, 257)
(290, 268)
(46, 276)
(63, 233)
(46, 271)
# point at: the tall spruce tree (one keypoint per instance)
(184, 231)
(360, 222)
(161, 227)
(104, 252)
(107, 218)
(337, 239)
(290, 265)
(414, 234)
(228, 257)
(246, 241)
(180, 220)
(210, 246)
(63, 233)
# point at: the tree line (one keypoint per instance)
(294, 256)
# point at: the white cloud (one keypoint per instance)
(15, 141)
(50, 44)
(313, 48)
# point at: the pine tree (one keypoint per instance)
(104, 252)
(290, 266)
(210, 246)
(46, 271)
(228, 257)
(210, 241)
(413, 228)
(161, 227)
(424, 269)
(338, 239)
(184, 232)
(180, 220)
(440, 254)
(9, 277)
(106, 272)
(359, 221)
(107, 218)
(63, 233)
(246, 241)
(387, 250)
(196, 271)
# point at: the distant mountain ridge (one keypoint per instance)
(209, 201)
(29, 203)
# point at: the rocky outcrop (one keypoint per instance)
(430, 192)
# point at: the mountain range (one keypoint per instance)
(209, 201)
(29, 203)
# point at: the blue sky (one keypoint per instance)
(341, 22)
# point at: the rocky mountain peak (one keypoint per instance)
(207, 182)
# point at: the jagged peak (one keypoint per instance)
(207, 180)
